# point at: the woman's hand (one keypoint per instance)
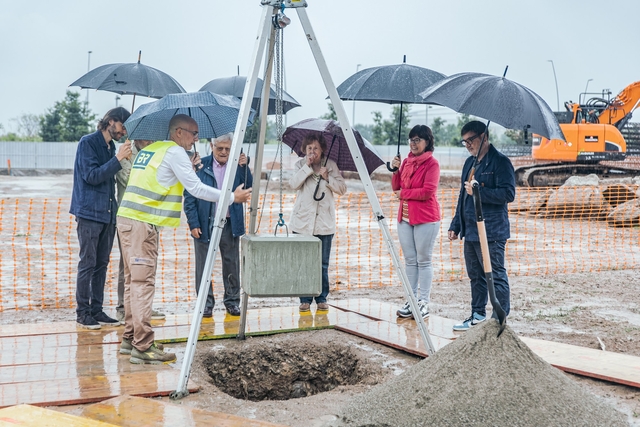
(395, 163)
(324, 173)
(311, 158)
(397, 193)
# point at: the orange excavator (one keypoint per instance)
(592, 133)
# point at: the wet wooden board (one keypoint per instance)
(401, 337)
(33, 416)
(88, 389)
(605, 365)
(75, 365)
(439, 326)
(127, 411)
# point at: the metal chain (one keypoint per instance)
(279, 58)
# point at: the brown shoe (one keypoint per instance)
(323, 306)
(305, 306)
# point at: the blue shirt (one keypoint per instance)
(94, 183)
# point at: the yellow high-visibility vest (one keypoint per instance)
(145, 199)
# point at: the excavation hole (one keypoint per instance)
(285, 371)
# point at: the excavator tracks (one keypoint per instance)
(554, 175)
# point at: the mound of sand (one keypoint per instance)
(481, 380)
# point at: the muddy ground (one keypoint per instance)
(593, 310)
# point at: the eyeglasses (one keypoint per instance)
(223, 148)
(192, 132)
(469, 141)
(415, 140)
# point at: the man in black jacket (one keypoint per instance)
(494, 172)
(94, 204)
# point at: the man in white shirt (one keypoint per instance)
(153, 199)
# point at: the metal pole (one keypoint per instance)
(586, 88)
(364, 174)
(257, 168)
(556, 79)
(88, 69)
(222, 204)
(353, 112)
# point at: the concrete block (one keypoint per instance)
(287, 266)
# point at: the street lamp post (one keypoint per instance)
(556, 79)
(587, 86)
(353, 112)
(88, 69)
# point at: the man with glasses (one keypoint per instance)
(201, 214)
(153, 199)
(494, 172)
(93, 202)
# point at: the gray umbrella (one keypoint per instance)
(235, 86)
(215, 115)
(131, 78)
(391, 84)
(497, 99)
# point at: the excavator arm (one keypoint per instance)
(620, 108)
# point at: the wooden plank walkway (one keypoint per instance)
(33, 416)
(127, 411)
(62, 364)
(403, 334)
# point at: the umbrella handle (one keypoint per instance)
(315, 193)
(498, 311)
(392, 169)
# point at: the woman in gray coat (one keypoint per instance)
(312, 217)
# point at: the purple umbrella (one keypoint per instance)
(337, 149)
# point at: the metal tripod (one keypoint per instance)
(266, 33)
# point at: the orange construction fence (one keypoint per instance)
(565, 230)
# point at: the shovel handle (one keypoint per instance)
(486, 258)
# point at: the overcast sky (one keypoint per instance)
(44, 45)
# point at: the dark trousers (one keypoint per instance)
(475, 271)
(326, 252)
(96, 241)
(230, 254)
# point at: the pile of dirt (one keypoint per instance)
(276, 371)
(481, 379)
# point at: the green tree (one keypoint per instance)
(67, 120)
(331, 115)
(366, 131)
(448, 134)
(28, 127)
(511, 136)
(385, 132)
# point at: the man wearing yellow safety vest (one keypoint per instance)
(153, 199)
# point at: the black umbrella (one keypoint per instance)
(235, 86)
(497, 99)
(130, 78)
(391, 84)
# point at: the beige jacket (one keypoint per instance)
(310, 216)
(122, 176)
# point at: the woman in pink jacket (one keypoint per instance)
(416, 185)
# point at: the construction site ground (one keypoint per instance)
(594, 310)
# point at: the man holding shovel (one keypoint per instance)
(495, 176)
